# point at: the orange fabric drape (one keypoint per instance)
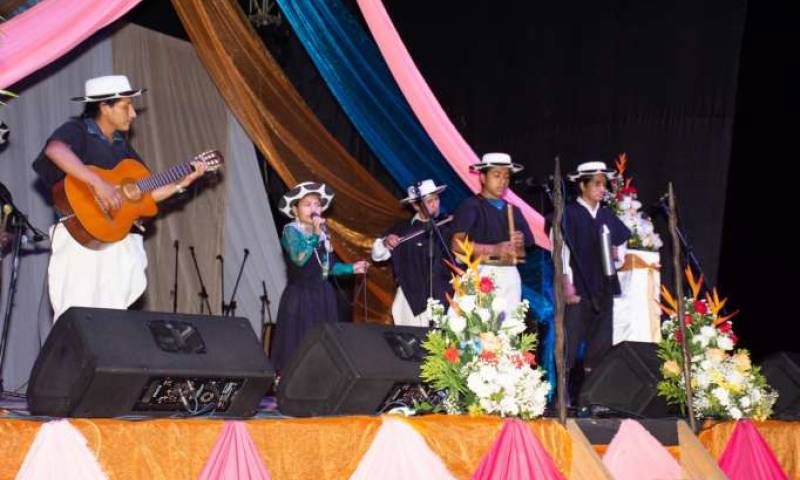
(288, 133)
(782, 437)
(319, 448)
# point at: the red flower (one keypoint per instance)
(733, 337)
(488, 356)
(687, 319)
(678, 335)
(529, 358)
(485, 285)
(725, 327)
(700, 307)
(451, 354)
(628, 190)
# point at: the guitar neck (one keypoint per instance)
(172, 175)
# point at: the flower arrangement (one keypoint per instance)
(478, 355)
(622, 199)
(725, 384)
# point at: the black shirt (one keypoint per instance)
(584, 234)
(410, 265)
(85, 139)
(485, 223)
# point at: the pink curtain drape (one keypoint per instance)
(748, 456)
(50, 29)
(517, 453)
(430, 114)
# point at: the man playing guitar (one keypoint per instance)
(112, 276)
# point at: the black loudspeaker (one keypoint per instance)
(782, 371)
(110, 363)
(345, 369)
(626, 382)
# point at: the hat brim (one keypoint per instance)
(302, 190)
(437, 190)
(610, 174)
(110, 96)
(479, 167)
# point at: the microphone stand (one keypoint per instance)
(19, 224)
(203, 293)
(434, 232)
(266, 326)
(174, 292)
(223, 306)
(687, 250)
(232, 302)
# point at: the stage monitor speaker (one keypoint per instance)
(625, 382)
(110, 363)
(782, 371)
(346, 369)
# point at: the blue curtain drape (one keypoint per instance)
(354, 70)
(537, 288)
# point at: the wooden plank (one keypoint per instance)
(586, 465)
(696, 462)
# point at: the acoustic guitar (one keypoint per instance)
(91, 225)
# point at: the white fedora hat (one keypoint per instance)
(300, 191)
(489, 160)
(109, 87)
(591, 169)
(426, 187)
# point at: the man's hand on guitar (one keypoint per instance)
(108, 196)
(200, 168)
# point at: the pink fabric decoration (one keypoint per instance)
(50, 29)
(636, 455)
(747, 456)
(517, 454)
(430, 114)
(235, 456)
(59, 451)
(398, 452)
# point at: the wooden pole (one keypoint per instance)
(510, 212)
(676, 263)
(558, 284)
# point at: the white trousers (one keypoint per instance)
(113, 277)
(404, 316)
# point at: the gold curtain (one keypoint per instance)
(288, 134)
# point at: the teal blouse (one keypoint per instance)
(302, 246)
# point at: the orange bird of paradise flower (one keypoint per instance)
(622, 162)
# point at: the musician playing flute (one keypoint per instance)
(114, 276)
(410, 258)
(499, 238)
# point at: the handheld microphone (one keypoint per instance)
(322, 227)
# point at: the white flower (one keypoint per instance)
(744, 402)
(513, 325)
(485, 314)
(735, 378)
(499, 304)
(735, 413)
(703, 380)
(466, 302)
(456, 323)
(722, 395)
(724, 342)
